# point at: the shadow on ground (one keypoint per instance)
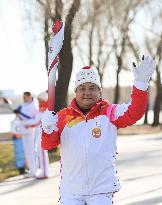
(151, 201)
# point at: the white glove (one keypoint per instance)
(49, 121)
(144, 71)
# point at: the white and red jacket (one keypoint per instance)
(88, 143)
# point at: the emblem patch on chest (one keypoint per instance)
(96, 132)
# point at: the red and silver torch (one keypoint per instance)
(55, 46)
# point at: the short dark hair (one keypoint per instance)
(27, 93)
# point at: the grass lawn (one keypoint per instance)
(7, 167)
(7, 163)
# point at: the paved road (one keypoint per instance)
(139, 168)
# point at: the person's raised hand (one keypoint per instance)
(144, 70)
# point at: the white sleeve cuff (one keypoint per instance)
(141, 85)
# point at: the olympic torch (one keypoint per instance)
(55, 46)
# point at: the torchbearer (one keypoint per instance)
(87, 131)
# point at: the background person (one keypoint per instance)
(41, 156)
(28, 110)
(19, 154)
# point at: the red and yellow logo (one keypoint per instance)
(96, 132)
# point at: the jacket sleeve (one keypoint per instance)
(49, 141)
(33, 121)
(127, 114)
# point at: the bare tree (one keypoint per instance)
(123, 43)
(153, 43)
(158, 83)
(54, 10)
(108, 26)
(121, 17)
(66, 59)
(95, 26)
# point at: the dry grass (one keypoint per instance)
(7, 161)
(7, 167)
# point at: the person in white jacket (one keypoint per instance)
(28, 111)
(87, 131)
(41, 156)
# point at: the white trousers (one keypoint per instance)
(28, 143)
(42, 160)
(97, 199)
(42, 163)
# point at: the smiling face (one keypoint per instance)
(87, 95)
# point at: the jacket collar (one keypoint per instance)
(98, 105)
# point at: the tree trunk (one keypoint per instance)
(158, 101)
(146, 116)
(66, 60)
(147, 109)
(64, 72)
(90, 44)
(117, 89)
(46, 41)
